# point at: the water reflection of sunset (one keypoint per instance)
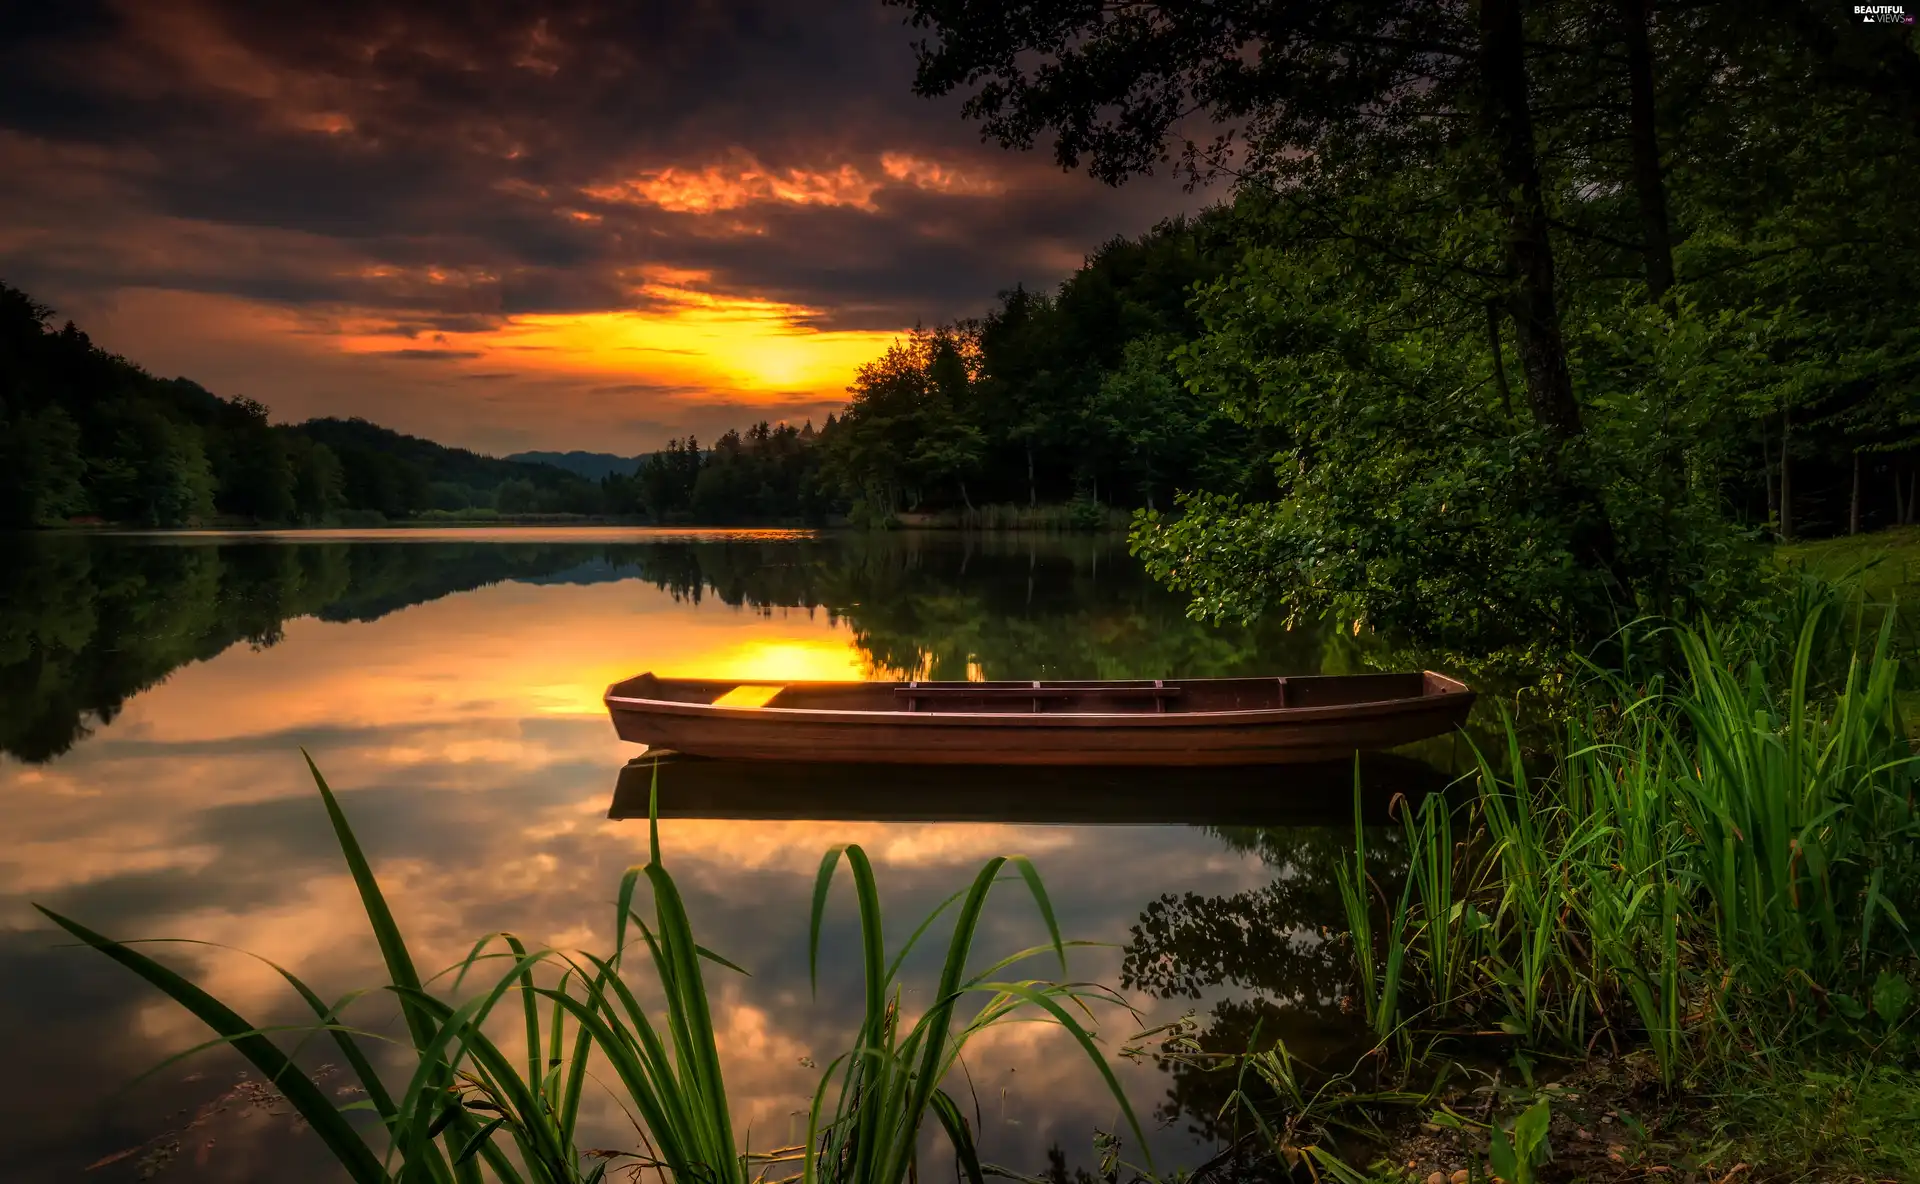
(522, 650)
(467, 740)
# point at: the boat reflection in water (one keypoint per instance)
(1300, 795)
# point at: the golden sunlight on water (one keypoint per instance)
(497, 653)
(466, 737)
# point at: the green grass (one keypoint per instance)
(1081, 515)
(471, 1107)
(1887, 562)
(1720, 864)
(1841, 1120)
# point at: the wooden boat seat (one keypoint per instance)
(1035, 694)
(749, 696)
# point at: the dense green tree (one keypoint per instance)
(253, 473)
(42, 469)
(1045, 358)
(152, 470)
(518, 496)
(906, 436)
(1024, 405)
(1320, 85)
(1157, 433)
(319, 483)
(665, 480)
(767, 475)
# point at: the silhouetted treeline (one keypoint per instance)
(770, 474)
(87, 434)
(1049, 398)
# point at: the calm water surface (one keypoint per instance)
(155, 694)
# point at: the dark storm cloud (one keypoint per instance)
(393, 138)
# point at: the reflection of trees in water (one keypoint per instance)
(1011, 606)
(1279, 948)
(87, 622)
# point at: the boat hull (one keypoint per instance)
(1310, 794)
(1251, 736)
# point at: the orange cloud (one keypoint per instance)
(680, 337)
(741, 181)
(928, 174)
(730, 186)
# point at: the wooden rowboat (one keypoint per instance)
(1164, 722)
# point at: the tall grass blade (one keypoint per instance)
(307, 1099)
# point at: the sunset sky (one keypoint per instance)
(580, 224)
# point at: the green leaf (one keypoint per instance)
(1501, 1157)
(1892, 996)
(1530, 1134)
(477, 1140)
(710, 956)
(307, 1098)
(959, 1134)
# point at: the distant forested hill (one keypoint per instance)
(594, 466)
(85, 434)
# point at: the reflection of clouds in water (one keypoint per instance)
(192, 816)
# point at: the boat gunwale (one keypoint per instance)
(1454, 692)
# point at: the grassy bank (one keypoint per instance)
(1675, 946)
(1698, 914)
(1069, 516)
(1886, 562)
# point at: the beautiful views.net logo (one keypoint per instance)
(1889, 14)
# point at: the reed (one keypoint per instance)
(1719, 861)
(470, 1107)
(1379, 971)
(891, 1078)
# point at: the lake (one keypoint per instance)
(156, 691)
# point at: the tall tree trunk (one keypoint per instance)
(1033, 494)
(1766, 475)
(965, 500)
(1499, 361)
(1656, 238)
(1853, 502)
(1786, 476)
(1509, 125)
